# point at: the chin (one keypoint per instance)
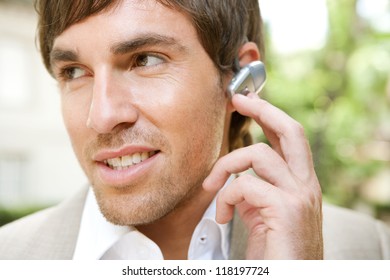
(136, 208)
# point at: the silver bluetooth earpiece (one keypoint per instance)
(250, 78)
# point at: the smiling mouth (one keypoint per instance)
(125, 162)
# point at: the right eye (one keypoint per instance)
(148, 60)
(72, 73)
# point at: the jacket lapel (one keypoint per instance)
(61, 229)
(238, 239)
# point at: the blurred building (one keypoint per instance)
(37, 164)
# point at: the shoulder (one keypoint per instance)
(351, 235)
(47, 234)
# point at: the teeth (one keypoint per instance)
(125, 162)
(144, 156)
(136, 158)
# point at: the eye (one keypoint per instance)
(147, 60)
(71, 73)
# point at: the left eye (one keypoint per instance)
(147, 60)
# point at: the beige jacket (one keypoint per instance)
(52, 234)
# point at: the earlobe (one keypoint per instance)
(229, 107)
(247, 53)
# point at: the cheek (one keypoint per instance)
(197, 123)
(75, 118)
(191, 94)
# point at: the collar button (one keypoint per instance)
(203, 240)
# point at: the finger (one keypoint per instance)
(283, 132)
(264, 161)
(249, 189)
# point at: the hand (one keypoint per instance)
(281, 206)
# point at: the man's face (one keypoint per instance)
(144, 107)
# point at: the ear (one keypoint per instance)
(247, 53)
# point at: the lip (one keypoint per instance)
(120, 178)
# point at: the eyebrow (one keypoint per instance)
(144, 40)
(58, 55)
(120, 48)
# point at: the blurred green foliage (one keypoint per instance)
(340, 94)
(8, 215)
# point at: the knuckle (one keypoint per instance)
(299, 206)
(262, 148)
(306, 201)
(297, 128)
(244, 178)
(293, 129)
(247, 183)
(221, 162)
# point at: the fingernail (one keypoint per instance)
(239, 95)
(252, 95)
(205, 184)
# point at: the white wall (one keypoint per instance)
(37, 164)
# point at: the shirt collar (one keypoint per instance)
(210, 240)
(97, 235)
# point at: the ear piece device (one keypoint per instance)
(250, 78)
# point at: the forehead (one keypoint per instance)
(127, 18)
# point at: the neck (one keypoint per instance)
(173, 232)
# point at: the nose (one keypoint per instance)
(110, 104)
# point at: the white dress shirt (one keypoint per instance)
(100, 239)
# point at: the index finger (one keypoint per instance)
(282, 131)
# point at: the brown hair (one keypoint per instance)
(222, 27)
